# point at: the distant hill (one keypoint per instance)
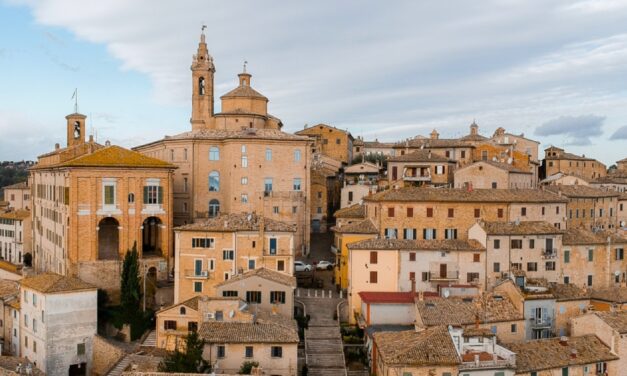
(12, 173)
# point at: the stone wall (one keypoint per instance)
(105, 356)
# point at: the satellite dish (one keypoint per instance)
(446, 293)
(616, 273)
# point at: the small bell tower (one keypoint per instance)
(202, 86)
(75, 129)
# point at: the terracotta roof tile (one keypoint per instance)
(583, 191)
(362, 227)
(237, 222)
(616, 320)
(423, 142)
(575, 236)
(420, 156)
(222, 134)
(544, 354)
(392, 297)
(432, 346)
(353, 211)
(567, 292)
(8, 288)
(503, 166)
(19, 215)
(268, 274)
(466, 311)
(21, 185)
(426, 245)
(53, 283)
(116, 156)
(519, 228)
(418, 194)
(244, 91)
(265, 329)
(612, 294)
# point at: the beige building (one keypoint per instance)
(588, 207)
(371, 149)
(18, 196)
(560, 178)
(331, 141)
(238, 160)
(233, 333)
(533, 247)
(557, 160)
(16, 236)
(420, 167)
(593, 259)
(9, 293)
(437, 213)
(360, 180)
(213, 250)
(609, 327)
(493, 175)
(92, 203)
(518, 143)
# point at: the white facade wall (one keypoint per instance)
(390, 314)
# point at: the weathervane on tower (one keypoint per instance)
(245, 62)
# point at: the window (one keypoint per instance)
(219, 315)
(109, 194)
(516, 244)
(280, 265)
(532, 266)
(566, 256)
(197, 286)
(275, 210)
(476, 257)
(566, 280)
(450, 233)
(523, 212)
(80, 349)
(244, 180)
(391, 233)
(472, 277)
(373, 277)
(214, 153)
(565, 371)
(251, 264)
(34, 346)
(496, 267)
(451, 212)
(267, 184)
(412, 256)
(477, 213)
(296, 155)
(273, 246)
(549, 266)
(499, 213)
(253, 297)
(391, 212)
(153, 194)
(214, 208)
(276, 352)
(192, 326)
(425, 276)
(228, 254)
(618, 253)
(214, 181)
(244, 161)
(412, 276)
(169, 325)
(277, 297)
(429, 212)
(34, 300)
(297, 184)
(184, 154)
(484, 155)
(244, 198)
(428, 233)
(268, 154)
(338, 141)
(202, 242)
(497, 243)
(248, 353)
(590, 254)
(131, 198)
(589, 280)
(221, 351)
(229, 293)
(34, 325)
(543, 210)
(494, 184)
(409, 233)
(373, 257)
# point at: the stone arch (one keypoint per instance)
(214, 208)
(151, 236)
(108, 239)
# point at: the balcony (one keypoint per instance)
(549, 253)
(537, 323)
(284, 195)
(197, 274)
(440, 275)
(487, 357)
(498, 363)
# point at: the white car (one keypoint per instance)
(300, 266)
(325, 265)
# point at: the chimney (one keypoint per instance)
(563, 340)
(57, 146)
(91, 138)
(573, 354)
(435, 135)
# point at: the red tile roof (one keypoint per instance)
(387, 297)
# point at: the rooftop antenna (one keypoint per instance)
(75, 97)
(245, 63)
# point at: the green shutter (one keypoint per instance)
(160, 195)
(145, 194)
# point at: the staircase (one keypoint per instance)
(120, 367)
(151, 339)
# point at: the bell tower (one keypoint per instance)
(75, 129)
(202, 86)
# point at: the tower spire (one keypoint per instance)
(202, 85)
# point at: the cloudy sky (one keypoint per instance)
(553, 70)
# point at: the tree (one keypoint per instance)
(247, 367)
(130, 287)
(188, 361)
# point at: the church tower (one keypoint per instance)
(75, 129)
(202, 87)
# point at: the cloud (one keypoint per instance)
(620, 133)
(577, 130)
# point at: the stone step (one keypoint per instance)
(151, 339)
(326, 371)
(323, 333)
(323, 346)
(120, 367)
(325, 360)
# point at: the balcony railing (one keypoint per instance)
(197, 274)
(417, 178)
(438, 275)
(500, 363)
(546, 322)
(549, 253)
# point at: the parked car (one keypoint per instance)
(322, 265)
(300, 266)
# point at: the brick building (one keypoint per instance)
(16, 236)
(493, 175)
(420, 167)
(588, 207)
(331, 142)
(558, 160)
(609, 327)
(18, 196)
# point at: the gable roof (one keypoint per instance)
(362, 168)
(266, 328)
(502, 166)
(21, 185)
(582, 191)
(423, 245)
(421, 156)
(466, 311)
(614, 294)
(268, 274)
(419, 194)
(388, 297)
(432, 346)
(353, 211)
(231, 222)
(362, 227)
(581, 236)
(55, 283)
(616, 320)
(8, 288)
(116, 156)
(19, 215)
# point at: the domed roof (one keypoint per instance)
(244, 90)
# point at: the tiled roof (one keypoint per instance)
(612, 294)
(584, 191)
(519, 228)
(21, 185)
(466, 311)
(559, 175)
(503, 166)
(8, 288)
(376, 144)
(116, 156)
(565, 292)
(426, 245)
(315, 130)
(415, 194)
(223, 134)
(262, 330)
(429, 347)
(566, 155)
(9, 365)
(353, 211)
(423, 142)
(474, 331)
(610, 179)
(551, 353)
(16, 214)
(53, 283)
(420, 156)
(362, 227)
(270, 275)
(14, 303)
(575, 236)
(616, 320)
(237, 222)
(244, 91)
(392, 297)
(362, 168)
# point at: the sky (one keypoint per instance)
(553, 70)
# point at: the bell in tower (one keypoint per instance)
(75, 129)
(202, 86)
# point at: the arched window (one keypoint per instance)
(183, 310)
(214, 208)
(201, 86)
(131, 198)
(214, 181)
(214, 153)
